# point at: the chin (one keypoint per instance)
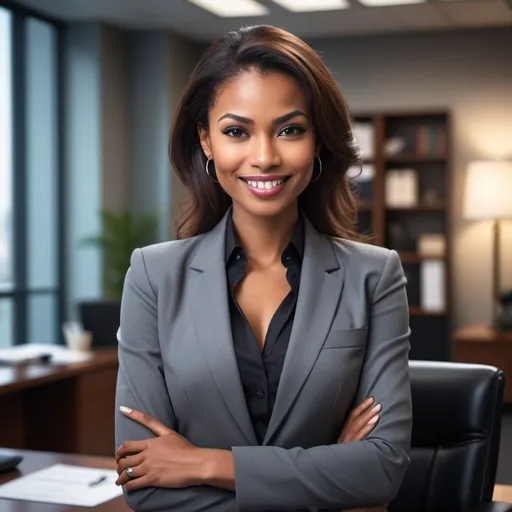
(267, 208)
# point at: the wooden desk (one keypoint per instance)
(484, 345)
(64, 408)
(34, 461)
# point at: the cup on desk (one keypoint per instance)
(78, 340)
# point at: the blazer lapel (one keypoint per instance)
(208, 301)
(319, 294)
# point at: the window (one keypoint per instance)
(6, 189)
(31, 245)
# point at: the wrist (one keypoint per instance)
(217, 468)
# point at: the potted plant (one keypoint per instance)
(122, 233)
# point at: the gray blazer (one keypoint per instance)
(350, 340)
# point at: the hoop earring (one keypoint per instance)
(208, 171)
(319, 171)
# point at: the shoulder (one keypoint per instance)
(359, 254)
(161, 258)
(367, 263)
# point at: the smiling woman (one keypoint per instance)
(263, 356)
(263, 100)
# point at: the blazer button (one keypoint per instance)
(260, 393)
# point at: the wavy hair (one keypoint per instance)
(329, 202)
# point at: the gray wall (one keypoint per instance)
(115, 118)
(160, 64)
(468, 73)
(182, 57)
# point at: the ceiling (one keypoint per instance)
(194, 23)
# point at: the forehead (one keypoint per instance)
(260, 93)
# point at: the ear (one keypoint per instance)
(204, 139)
(318, 150)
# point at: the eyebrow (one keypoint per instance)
(277, 120)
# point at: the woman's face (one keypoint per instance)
(262, 142)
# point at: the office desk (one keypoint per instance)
(34, 461)
(484, 345)
(64, 408)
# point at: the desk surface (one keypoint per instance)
(33, 461)
(23, 377)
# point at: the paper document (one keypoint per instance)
(31, 352)
(65, 485)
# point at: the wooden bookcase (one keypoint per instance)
(422, 145)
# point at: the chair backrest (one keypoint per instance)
(457, 412)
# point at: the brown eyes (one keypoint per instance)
(239, 133)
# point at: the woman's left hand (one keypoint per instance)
(168, 460)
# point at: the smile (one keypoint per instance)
(265, 186)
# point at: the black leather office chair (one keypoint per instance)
(455, 440)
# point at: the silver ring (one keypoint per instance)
(129, 472)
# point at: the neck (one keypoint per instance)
(262, 238)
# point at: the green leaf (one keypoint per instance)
(122, 233)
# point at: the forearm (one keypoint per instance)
(350, 475)
(198, 499)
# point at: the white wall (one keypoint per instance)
(468, 73)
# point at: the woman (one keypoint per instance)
(246, 342)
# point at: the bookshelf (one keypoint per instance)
(404, 204)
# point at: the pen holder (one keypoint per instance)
(79, 341)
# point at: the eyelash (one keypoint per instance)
(299, 130)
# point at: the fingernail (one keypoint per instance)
(377, 407)
(124, 409)
(374, 420)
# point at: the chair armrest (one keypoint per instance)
(493, 506)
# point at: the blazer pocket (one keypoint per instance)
(346, 338)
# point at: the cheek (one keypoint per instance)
(299, 156)
(228, 155)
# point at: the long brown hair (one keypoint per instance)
(328, 202)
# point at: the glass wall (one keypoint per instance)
(30, 229)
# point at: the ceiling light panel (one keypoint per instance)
(232, 8)
(312, 5)
(381, 3)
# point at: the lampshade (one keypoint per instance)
(488, 193)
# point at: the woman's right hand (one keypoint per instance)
(360, 422)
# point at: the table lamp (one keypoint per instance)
(488, 195)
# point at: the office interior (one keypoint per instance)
(87, 95)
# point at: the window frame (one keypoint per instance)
(20, 293)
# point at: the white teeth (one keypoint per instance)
(267, 185)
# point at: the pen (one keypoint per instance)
(97, 481)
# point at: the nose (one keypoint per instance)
(264, 154)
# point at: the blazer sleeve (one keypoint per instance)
(360, 473)
(141, 385)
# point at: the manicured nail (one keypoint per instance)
(124, 409)
(377, 407)
(374, 420)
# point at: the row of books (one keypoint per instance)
(421, 139)
(429, 140)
